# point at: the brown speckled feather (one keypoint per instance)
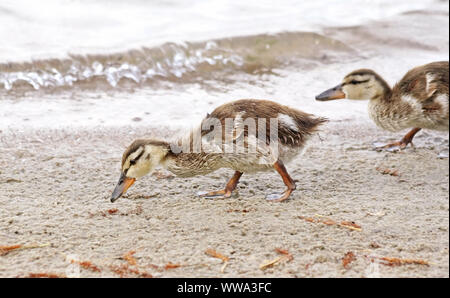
(302, 125)
(416, 84)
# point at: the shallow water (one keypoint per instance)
(65, 43)
(171, 62)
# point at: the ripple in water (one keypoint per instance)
(171, 61)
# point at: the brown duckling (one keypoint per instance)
(419, 100)
(246, 136)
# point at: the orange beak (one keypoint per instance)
(330, 94)
(121, 187)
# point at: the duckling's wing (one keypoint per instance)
(425, 89)
(425, 82)
(226, 133)
(244, 120)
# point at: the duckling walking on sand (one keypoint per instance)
(246, 136)
(419, 100)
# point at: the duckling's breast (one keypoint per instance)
(397, 115)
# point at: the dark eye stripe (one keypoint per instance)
(355, 82)
(134, 160)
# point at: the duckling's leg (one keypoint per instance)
(226, 193)
(407, 139)
(280, 168)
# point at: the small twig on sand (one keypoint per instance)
(327, 221)
(386, 171)
(398, 262)
(348, 258)
(45, 275)
(212, 253)
(86, 265)
(7, 249)
(171, 265)
(285, 256)
(130, 258)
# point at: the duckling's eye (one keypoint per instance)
(134, 160)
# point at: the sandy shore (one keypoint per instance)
(55, 188)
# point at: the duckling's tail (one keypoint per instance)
(296, 133)
(316, 123)
(309, 124)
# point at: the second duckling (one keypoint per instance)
(270, 134)
(419, 100)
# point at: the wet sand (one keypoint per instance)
(56, 187)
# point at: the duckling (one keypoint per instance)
(419, 100)
(246, 136)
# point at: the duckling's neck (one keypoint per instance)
(382, 108)
(384, 91)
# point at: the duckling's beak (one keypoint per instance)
(330, 94)
(121, 187)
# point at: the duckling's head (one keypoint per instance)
(139, 159)
(359, 84)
